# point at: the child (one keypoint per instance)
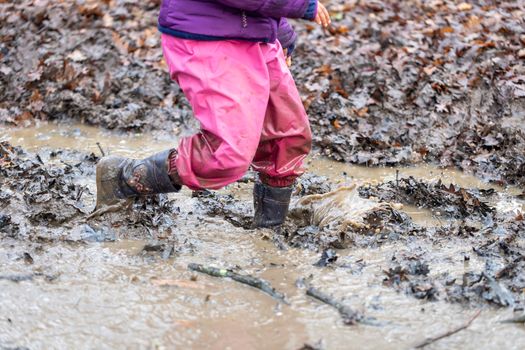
(228, 58)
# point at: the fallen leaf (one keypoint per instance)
(464, 6)
(77, 56)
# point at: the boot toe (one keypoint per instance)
(108, 175)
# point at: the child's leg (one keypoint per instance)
(286, 137)
(228, 88)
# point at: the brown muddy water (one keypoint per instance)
(112, 295)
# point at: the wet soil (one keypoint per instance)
(415, 88)
(418, 268)
(390, 83)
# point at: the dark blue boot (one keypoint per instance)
(270, 204)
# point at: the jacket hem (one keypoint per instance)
(204, 37)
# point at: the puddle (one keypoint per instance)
(112, 295)
(85, 138)
(137, 145)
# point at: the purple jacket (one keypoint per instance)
(254, 20)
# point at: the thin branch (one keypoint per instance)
(429, 341)
(349, 315)
(519, 319)
(245, 279)
(101, 150)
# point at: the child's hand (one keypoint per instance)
(322, 17)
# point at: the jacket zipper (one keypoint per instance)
(244, 20)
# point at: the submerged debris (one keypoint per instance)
(413, 277)
(349, 315)
(328, 257)
(448, 333)
(245, 279)
(32, 191)
(518, 319)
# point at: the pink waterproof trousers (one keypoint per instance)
(249, 109)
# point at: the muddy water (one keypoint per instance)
(96, 140)
(111, 295)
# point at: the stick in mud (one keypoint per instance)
(245, 279)
(429, 341)
(101, 150)
(519, 319)
(349, 315)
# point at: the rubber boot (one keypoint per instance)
(120, 178)
(270, 204)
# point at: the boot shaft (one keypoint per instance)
(271, 204)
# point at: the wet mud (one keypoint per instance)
(354, 237)
(426, 92)
(388, 83)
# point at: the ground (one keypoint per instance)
(422, 86)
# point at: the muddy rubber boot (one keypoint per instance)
(270, 204)
(120, 178)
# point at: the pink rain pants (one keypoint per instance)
(249, 109)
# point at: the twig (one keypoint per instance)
(349, 315)
(519, 319)
(17, 278)
(429, 341)
(29, 277)
(123, 204)
(101, 150)
(249, 280)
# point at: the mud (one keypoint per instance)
(431, 92)
(381, 274)
(388, 84)
(415, 81)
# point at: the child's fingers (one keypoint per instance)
(318, 18)
(289, 61)
(324, 16)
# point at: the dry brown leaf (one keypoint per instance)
(362, 112)
(429, 70)
(446, 30)
(473, 21)
(465, 6)
(26, 115)
(325, 69)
